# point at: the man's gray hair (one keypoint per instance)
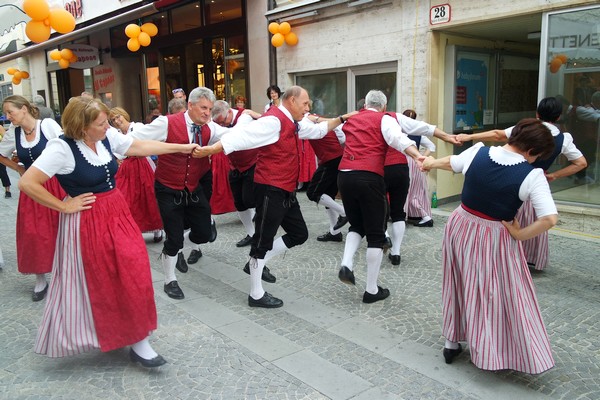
(220, 109)
(177, 105)
(376, 99)
(38, 100)
(201, 93)
(293, 91)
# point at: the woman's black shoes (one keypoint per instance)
(449, 354)
(152, 363)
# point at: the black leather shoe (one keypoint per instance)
(380, 295)
(394, 259)
(7, 195)
(346, 275)
(38, 296)
(194, 257)
(449, 354)
(181, 265)
(267, 276)
(427, 224)
(173, 290)
(152, 363)
(328, 237)
(340, 222)
(213, 232)
(158, 239)
(244, 242)
(267, 301)
(388, 244)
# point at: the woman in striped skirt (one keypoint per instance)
(418, 203)
(101, 293)
(488, 297)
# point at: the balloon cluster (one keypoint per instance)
(64, 57)
(42, 18)
(282, 33)
(17, 75)
(140, 35)
(557, 62)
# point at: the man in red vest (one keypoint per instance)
(183, 183)
(275, 180)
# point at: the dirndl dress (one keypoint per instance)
(135, 180)
(417, 202)
(536, 248)
(488, 297)
(221, 201)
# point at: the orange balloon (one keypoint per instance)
(18, 75)
(16, 81)
(144, 39)
(274, 27)
(133, 44)
(291, 39)
(37, 31)
(11, 71)
(55, 55)
(555, 65)
(285, 28)
(61, 20)
(150, 29)
(37, 9)
(63, 63)
(66, 54)
(132, 31)
(24, 75)
(277, 39)
(563, 58)
(73, 59)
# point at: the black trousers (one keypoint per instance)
(4, 176)
(365, 202)
(242, 188)
(274, 208)
(397, 181)
(182, 209)
(324, 180)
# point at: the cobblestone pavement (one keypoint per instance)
(323, 344)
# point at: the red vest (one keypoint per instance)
(327, 148)
(278, 164)
(178, 171)
(242, 160)
(365, 146)
(393, 156)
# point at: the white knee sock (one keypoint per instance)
(451, 345)
(256, 269)
(352, 243)
(278, 248)
(374, 256)
(333, 217)
(328, 202)
(40, 282)
(144, 350)
(157, 233)
(398, 229)
(246, 218)
(168, 263)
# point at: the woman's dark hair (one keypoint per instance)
(410, 113)
(531, 135)
(273, 88)
(549, 109)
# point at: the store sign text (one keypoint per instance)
(574, 41)
(75, 7)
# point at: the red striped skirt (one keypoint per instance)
(37, 226)
(488, 297)
(536, 248)
(135, 180)
(101, 293)
(417, 202)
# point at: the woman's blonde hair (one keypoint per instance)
(79, 114)
(118, 111)
(20, 102)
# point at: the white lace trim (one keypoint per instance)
(504, 157)
(103, 157)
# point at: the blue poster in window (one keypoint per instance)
(471, 93)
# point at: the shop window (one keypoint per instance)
(378, 80)
(186, 17)
(222, 10)
(328, 92)
(571, 71)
